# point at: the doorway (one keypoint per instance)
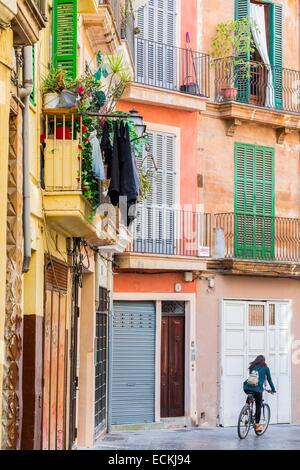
(55, 356)
(250, 328)
(172, 359)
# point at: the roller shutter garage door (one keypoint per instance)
(133, 363)
(250, 328)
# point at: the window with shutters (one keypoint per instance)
(155, 222)
(254, 202)
(253, 89)
(156, 59)
(65, 35)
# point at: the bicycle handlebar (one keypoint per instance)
(268, 391)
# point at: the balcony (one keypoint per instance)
(87, 6)
(258, 92)
(8, 9)
(169, 75)
(104, 28)
(256, 244)
(66, 208)
(166, 238)
(28, 22)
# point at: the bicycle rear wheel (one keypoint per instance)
(265, 419)
(244, 422)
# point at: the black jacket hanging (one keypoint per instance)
(128, 186)
(114, 187)
(107, 149)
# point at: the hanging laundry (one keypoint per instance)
(114, 169)
(123, 174)
(128, 185)
(98, 167)
(136, 176)
(107, 149)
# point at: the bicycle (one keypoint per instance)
(247, 417)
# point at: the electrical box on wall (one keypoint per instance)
(188, 276)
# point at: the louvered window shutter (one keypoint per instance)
(155, 62)
(242, 81)
(254, 202)
(155, 221)
(65, 35)
(276, 50)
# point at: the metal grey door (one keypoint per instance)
(133, 363)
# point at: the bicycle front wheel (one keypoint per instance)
(265, 419)
(244, 422)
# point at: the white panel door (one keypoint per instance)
(250, 329)
(234, 359)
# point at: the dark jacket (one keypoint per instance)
(263, 375)
(122, 181)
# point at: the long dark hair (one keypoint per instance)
(259, 361)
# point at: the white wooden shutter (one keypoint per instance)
(155, 61)
(155, 221)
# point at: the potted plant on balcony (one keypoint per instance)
(191, 87)
(231, 46)
(56, 89)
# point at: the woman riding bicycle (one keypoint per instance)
(254, 385)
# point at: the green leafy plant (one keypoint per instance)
(55, 81)
(233, 43)
(89, 184)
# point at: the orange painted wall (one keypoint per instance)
(189, 22)
(187, 122)
(129, 282)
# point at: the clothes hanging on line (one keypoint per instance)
(97, 161)
(121, 168)
(107, 149)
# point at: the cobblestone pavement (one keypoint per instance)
(277, 437)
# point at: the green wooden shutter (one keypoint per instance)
(65, 35)
(254, 202)
(276, 51)
(242, 82)
(32, 96)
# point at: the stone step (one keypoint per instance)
(165, 423)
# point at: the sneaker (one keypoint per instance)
(258, 427)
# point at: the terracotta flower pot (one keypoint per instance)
(229, 93)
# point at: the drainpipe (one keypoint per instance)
(24, 93)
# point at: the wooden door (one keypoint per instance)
(172, 366)
(55, 357)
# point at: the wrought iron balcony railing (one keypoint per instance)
(172, 68)
(256, 237)
(167, 231)
(257, 84)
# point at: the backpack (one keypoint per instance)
(253, 378)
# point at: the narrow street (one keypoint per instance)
(278, 437)
(150, 225)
